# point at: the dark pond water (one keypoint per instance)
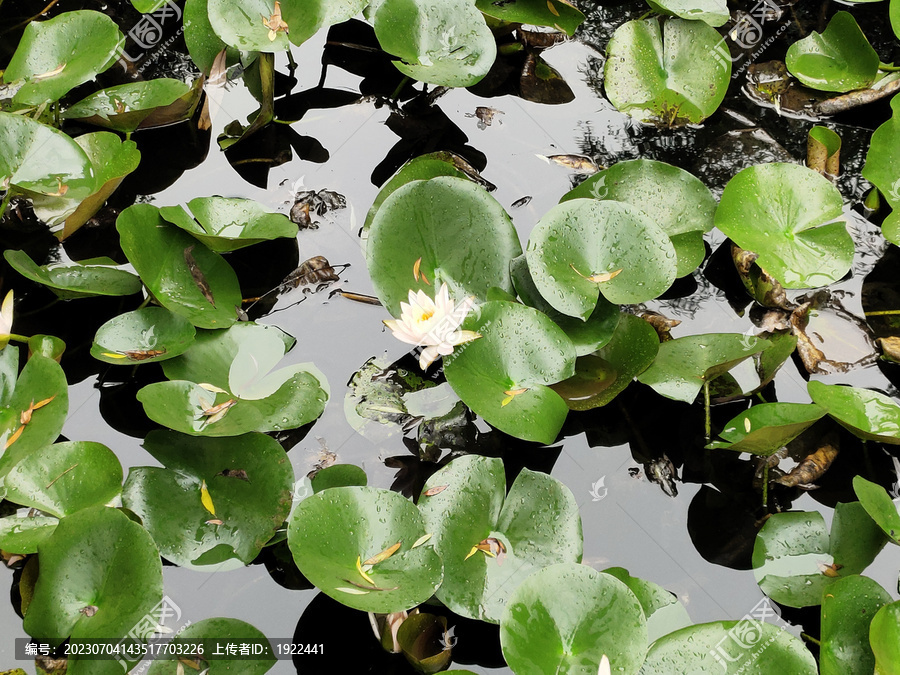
(695, 544)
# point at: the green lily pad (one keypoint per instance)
(162, 255)
(64, 478)
(97, 558)
(587, 336)
(201, 40)
(239, 23)
(307, 17)
(239, 361)
(603, 375)
(895, 16)
(75, 280)
(23, 534)
(446, 43)
(552, 13)
(111, 159)
(766, 428)
(838, 59)
(866, 413)
(38, 159)
(884, 636)
(229, 224)
(331, 533)
(462, 235)
(213, 632)
(783, 213)
(579, 239)
(143, 336)
(566, 617)
(338, 475)
(730, 648)
(503, 375)
(424, 167)
(248, 480)
(128, 107)
(41, 379)
(465, 505)
(56, 55)
(685, 364)
(713, 12)
(46, 345)
(883, 160)
(666, 71)
(662, 609)
(875, 500)
(685, 214)
(793, 554)
(848, 607)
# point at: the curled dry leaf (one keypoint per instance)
(198, 276)
(315, 271)
(436, 490)
(812, 467)
(577, 163)
(663, 325)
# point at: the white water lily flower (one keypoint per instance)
(432, 324)
(6, 319)
(604, 666)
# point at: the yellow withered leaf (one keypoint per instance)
(12, 439)
(598, 278)
(206, 499)
(114, 356)
(421, 540)
(552, 8)
(436, 490)
(362, 572)
(384, 555)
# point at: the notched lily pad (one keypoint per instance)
(217, 500)
(764, 429)
(783, 212)
(868, 414)
(567, 617)
(503, 375)
(366, 548)
(229, 224)
(76, 280)
(490, 541)
(137, 105)
(142, 336)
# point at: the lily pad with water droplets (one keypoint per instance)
(212, 632)
(730, 648)
(491, 541)
(229, 224)
(764, 429)
(683, 365)
(74, 280)
(784, 213)
(248, 481)
(878, 504)
(848, 607)
(504, 374)
(98, 558)
(332, 533)
(868, 414)
(565, 618)
(143, 336)
(795, 558)
(583, 248)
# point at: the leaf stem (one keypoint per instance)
(810, 638)
(884, 312)
(15, 337)
(888, 68)
(706, 408)
(5, 201)
(399, 88)
(765, 495)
